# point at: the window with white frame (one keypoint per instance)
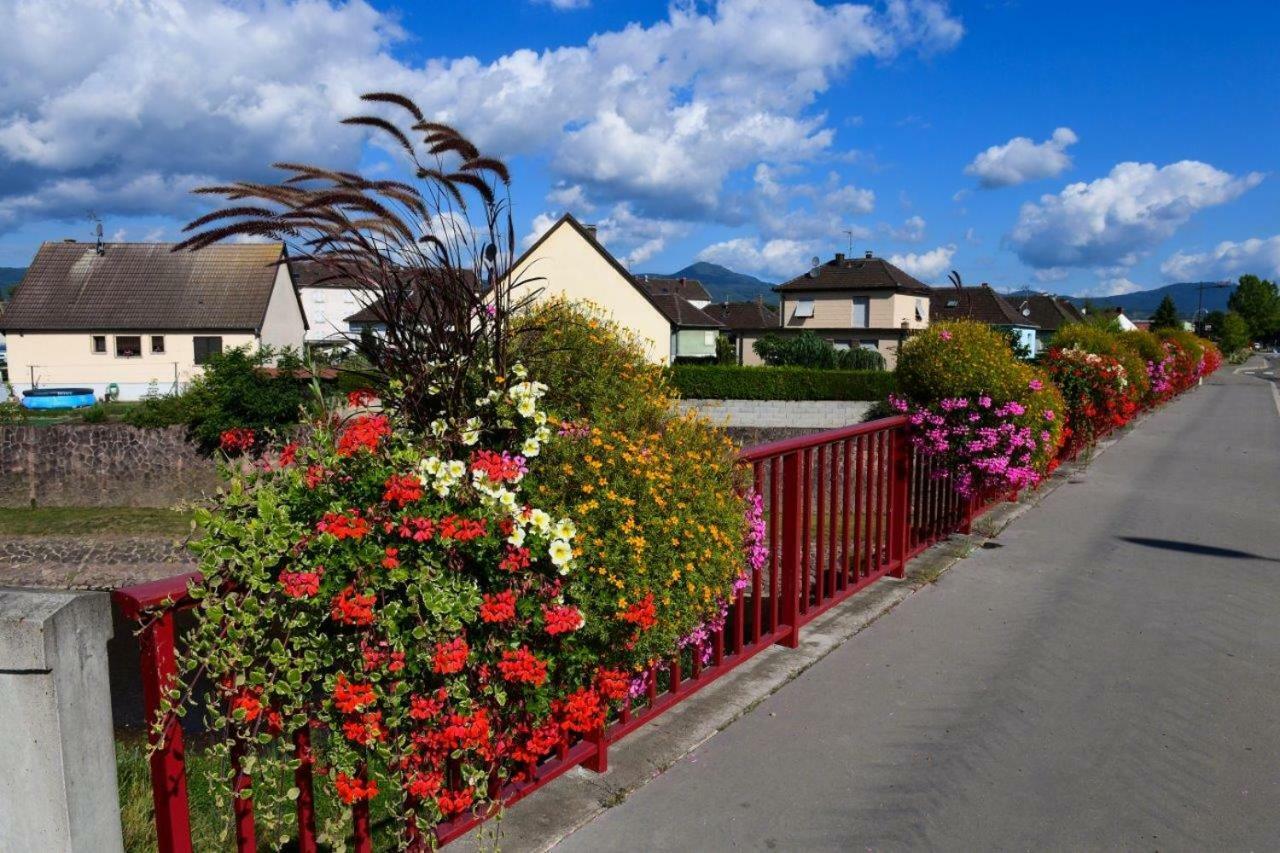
(861, 312)
(99, 345)
(128, 346)
(709, 338)
(804, 309)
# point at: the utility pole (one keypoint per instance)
(1200, 288)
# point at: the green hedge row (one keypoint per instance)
(731, 382)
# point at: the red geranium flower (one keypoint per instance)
(301, 584)
(425, 784)
(613, 684)
(515, 559)
(364, 729)
(352, 608)
(498, 607)
(352, 790)
(581, 711)
(522, 666)
(643, 614)
(363, 433)
(349, 698)
(562, 619)
(360, 397)
(341, 525)
(450, 657)
(401, 489)
(237, 440)
(454, 802)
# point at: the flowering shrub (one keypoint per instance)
(995, 422)
(1101, 341)
(1095, 389)
(417, 606)
(1187, 352)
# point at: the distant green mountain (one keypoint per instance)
(1141, 304)
(724, 284)
(9, 276)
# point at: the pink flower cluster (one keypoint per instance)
(982, 443)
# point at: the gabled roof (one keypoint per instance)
(1049, 312)
(867, 273)
(743, 315)
(307, 273)
(144, 286)
(587, 235)
(682, 313)
(688, 288)
(975, 303)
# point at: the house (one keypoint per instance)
(569, 261)
(327, 300)
(1049, 313)
(744, 323)
(1116, 313)
(865, 302)
(688, 288)
(984, 305)
(143, 318)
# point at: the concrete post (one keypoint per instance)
(58, 763)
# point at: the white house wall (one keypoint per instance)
(282, 325)
(327, 310)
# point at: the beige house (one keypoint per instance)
(569, 261)
(854, 302)
(140, 317)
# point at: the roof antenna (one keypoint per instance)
(97, 232)
(849, 233)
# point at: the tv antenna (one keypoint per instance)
(849, 233)
(97, 232)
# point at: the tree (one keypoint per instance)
(1211, 325)
(1233, 334)
(1258, 304)
(1166, 315)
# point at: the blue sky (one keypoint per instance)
(1083, 147)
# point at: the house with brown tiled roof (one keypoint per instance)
(327, 300)
(743, 323)
(984, 305)
(1049, 313)
(687, 288)
(865, 302)
(141, 317)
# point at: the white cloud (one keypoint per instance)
(570, 197)
(660, 115)
(1051, 274)
(911, 231)
(1021, 159)
(926, 265)
(630, 238)
(775, 259)
(1257, 255)
(1117, 286)
(564, 5)
(1114, 220)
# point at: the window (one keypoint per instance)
(920, 309)
(157, 344)
(128, 346)
(206, 346)
(709, 338)
(842, 345)
(861, 312)
(872, 345)
(100, 344)
(804, 308)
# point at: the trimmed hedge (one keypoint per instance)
(733, 382)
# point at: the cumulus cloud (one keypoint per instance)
(1021, 159)
(911, 230)
(1257, 255)
(776, 259)
(660, 115)
(925, 265)
(1116, 219)
(1117, 286)
(630, 238)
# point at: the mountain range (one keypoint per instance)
(722, 283)
(9, 276)
(1141, 304)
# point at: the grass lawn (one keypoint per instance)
(49, 521)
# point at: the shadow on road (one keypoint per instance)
(1194, 548)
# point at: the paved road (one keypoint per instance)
(1108, 678)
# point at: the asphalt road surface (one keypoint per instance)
(1107, 678)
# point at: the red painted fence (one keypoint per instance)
(843, 509)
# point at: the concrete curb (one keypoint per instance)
(541, 821)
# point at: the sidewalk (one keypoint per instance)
(1105, 677)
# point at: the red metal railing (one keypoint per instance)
(842, 509)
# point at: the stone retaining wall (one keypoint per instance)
(101, 465)
(801, 415)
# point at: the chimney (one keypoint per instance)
(868, 254)
(68, 239)
(839, 257)
(591, 229)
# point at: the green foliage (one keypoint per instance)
(95, 414)
(1143, 344)
(1166, 315)
(1233, 333)
(726, 350)
(732, 382)
(159, 410)
(808, 350)
(11, 409)
(1257, 301)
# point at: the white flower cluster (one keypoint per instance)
(442, 476)
(525, 395)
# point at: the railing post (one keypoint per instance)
(792, 559)
(899, 500)
(599, 762)
(168, 771)
(304, 781)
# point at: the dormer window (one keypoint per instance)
(804, 309)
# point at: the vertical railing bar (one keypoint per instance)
(806, 537)
(159, 666)
(360, 817)
(304, 781)
(847, 483)
(859, 514)
(819, 556)
(792, 539)
(241, 805)
(775, 544)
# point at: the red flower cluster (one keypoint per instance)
(424, 708)
(643, 614)
(351, 789)
(315, 476)
(349, 698)
(455, 802)
(523, 666)
(341, 525)
(352, 608)
(401, 489)
(288, 453)
(360, 398)
(301, 584)
(424, 784)
(612, 684)
(461, 529)
(418, 529)
(562, 619)
(498, 607)
(247, 700)
(450, 657)
(237, 440)
(364, 729)
(581, 711)
(498, 467)
(376, 656)
(390, 558)
(541, 740)
(516, 559)
(363, 433)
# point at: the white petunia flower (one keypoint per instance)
(564, 529)
(526, 407)
(457, 468)
(430, 465)
(517, 537)
(531, 447)
(540, 521)
(561, 554)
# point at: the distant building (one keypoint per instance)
(1049, 313)
(141, 317)
(1116, 313)
(686, 288)
(327, 300)
(984, 305)
(569, 261)
(743, 323)
(856, 302)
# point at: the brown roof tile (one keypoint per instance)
(743, 315)
(975, 303)
(1048, 312)
(869, 273)
(143, 286)
(682, 313)
(688, 288)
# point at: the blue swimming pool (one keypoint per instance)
(58, 398)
